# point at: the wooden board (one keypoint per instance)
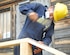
(6, 1)
(63, 42)
(62, 46)
(33, 42)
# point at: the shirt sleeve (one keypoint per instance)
(48, 35)
(28, 8)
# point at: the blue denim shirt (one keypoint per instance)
(32, 29)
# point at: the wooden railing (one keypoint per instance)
(25, 46)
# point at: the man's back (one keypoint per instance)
(32, 29)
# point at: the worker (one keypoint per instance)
(35, 28)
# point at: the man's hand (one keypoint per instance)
(33, 16)
(38, 50)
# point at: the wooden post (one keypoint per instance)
(25, 48)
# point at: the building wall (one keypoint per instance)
(62, 30)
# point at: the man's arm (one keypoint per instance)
(48, 36)
(29, 7)
(30, 10)
(47, 39)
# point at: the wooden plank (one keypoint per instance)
(62, 0)
(66, 50)
(33, 42)
(26, 48)
(62, 45)
(62, 24)
(63, 42)
(45, 47)
(56, 1)
(6, 1)
(0, 35)
(11, 43)
(59, 1)
(6, 6)
(62, 39)
(9, 53)
(62, 33)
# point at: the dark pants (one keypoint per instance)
(17, 50)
